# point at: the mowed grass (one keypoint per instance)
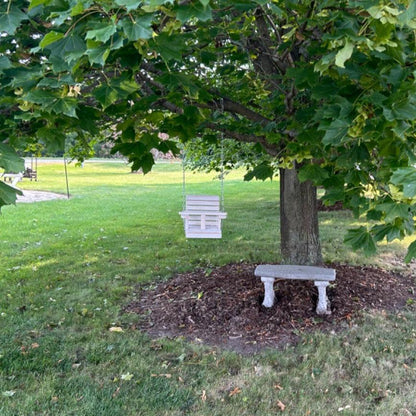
(69, 266)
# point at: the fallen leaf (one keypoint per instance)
(127, 376)
(341, 409)
(204, 396)
(35, 345)
(116, 329)
(281, 406)
(9, 393)
(116, 392)
(237, 390)
(278, 387)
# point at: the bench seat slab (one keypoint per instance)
(287, 271)
(320, 275)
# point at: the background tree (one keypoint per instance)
(326, 89)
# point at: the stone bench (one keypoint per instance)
(320, 275)
(13, 178)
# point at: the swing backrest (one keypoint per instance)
(202, 216)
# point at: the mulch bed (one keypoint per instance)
(224, 308)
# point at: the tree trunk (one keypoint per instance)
(299, 229)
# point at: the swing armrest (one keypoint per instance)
(187, 214)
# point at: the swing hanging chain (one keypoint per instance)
(183, 182)
(222, 162)
(222, 169)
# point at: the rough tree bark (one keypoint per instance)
(299, 229)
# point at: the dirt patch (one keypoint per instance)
(223, 307)
(37, 196)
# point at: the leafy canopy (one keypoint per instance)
(329, 85)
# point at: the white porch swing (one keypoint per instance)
(202, 214)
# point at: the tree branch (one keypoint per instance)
(271, 149)
(227, 104)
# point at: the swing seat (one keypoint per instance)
(202, 216)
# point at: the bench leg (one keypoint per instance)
(268, 291)
(322, 307)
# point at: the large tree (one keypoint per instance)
(326, 89)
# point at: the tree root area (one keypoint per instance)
(223, 306)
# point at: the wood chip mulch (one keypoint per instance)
(223, 307)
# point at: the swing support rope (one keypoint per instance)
(183, 182)
(221, 175)
(222, 162)
(222, 172)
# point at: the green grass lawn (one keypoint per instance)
(69, 266)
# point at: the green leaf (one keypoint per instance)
(50, 83)
(9, 160)
(53, 139)
(129, 4)
(138, 29)
(8, 194)
(405, 177)
(40, 96)
(360, 238)
(325, 62)
(170, 47)
(168, 146)
(87, 117)
(64, 105)
(35, 3)
(263, 171)
(335, 132)
(5, 63)
(404, 110)
(192, 11)
(394, 210)
(390, 231)
(68, 48)
(102, 33)
(180, 81)
(344, 54)
(116, 89)
(374, 215)
(52, 102)
(10, 20)
(106, 95)
(97, 55)
(78, 9)
(409, 16)
(146, 163)
(49, 38)
(411, 252)
(401, 128)
(303, 77)
(314, 173)
(138, 154)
